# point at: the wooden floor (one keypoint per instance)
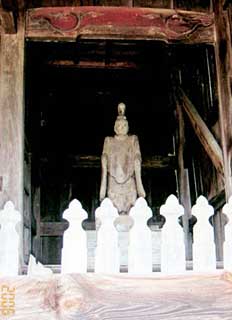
(91, 296)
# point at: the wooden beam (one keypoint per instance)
(53, 228)
(93, 64)
(121, 296)
(90, 161)
(218, 200)
(223, 57)
(70, 23)
(207, 139)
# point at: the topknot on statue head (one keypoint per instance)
(121, 126)
(121, 111)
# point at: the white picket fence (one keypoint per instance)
(124, 242)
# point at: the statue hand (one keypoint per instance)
(102, 194)
(142, 194)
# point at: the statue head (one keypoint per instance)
(121, 126)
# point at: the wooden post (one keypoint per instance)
(223, 64)
(183, 181)
(11, 120)
(37, 216)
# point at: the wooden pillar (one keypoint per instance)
(183, 183)
(223, 63)
(12, 120)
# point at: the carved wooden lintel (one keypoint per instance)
(7, 21)
(68, 23)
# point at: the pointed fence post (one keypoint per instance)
(172, 243)
(140, 240)
(9, 240)
(36, 268)
(74, 252)
(204, 254)
(107, 251)
(227, 209)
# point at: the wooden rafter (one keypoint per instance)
(206, 138)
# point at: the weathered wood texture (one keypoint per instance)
(223, 63)
(11, 118)
(86, 161)
(53, 228)
(90, 296)
(120, 23)
(197, 5)
(207, 139)
(183, 181)
(7, 21)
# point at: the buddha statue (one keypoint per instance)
(121, 166)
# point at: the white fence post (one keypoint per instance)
(227, 209)
(140, 240)
(9, 240)
(204, 255)
(172, 243)
(107, 251)
(74, 252)
(36, 268)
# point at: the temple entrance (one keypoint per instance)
(72, 92)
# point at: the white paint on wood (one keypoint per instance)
(156, 235)
(204, 255)
(140, 240)
(36, 268)
(9, 240)
(172, 243)
(227, 209)
(123, 225)
(107, 258)
(91, 248)
(74, 252)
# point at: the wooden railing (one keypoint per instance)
(126, 243)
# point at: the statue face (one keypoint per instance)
(121, 127)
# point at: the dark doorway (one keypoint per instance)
(71, 104)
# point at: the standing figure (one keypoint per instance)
(121, 166)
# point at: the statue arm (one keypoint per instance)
(103, 177)
(140, 190)
(104, 160)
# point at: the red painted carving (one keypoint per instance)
(60, 21)
(166, 24)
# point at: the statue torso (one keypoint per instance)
(121, 155)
